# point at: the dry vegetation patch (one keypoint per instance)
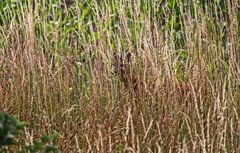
(123, 76)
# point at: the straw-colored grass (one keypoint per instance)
(177, 92)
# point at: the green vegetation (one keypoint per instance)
(122, 76)
(10, 127)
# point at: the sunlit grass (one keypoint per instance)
(177, 92)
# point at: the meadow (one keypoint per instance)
(123, 75)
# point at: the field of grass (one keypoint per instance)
(123, 75)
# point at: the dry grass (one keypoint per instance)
(177, 92)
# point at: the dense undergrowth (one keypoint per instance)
(10, 128)
(65, 69)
